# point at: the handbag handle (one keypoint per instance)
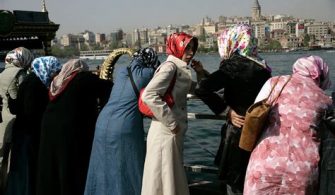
(281, 90)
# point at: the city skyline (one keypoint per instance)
(104, 16)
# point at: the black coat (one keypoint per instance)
(67, 133)
(32, 99)
(241, 79)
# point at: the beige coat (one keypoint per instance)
(9, 81)
(164, 172)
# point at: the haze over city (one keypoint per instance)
(104, 15)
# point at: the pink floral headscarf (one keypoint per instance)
(19, 57)
(240, 39)
(315, 68)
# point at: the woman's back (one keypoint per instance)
(243, 79)
(287, 154)
(296, 115)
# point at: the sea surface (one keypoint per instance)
(203, 136)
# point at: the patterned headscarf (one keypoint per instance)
(69, 70)
(314, 67)
(19, 57)
(148, 56)
(177, 42)
(45, 68)
(240, 39)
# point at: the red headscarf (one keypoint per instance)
(176, 44)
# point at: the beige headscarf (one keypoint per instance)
(69, 70)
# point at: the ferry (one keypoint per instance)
(94, 55)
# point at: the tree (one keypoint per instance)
(64, 52)
(307, 38)
(270, 45)
(274, 44)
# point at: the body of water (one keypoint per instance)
(203, 136)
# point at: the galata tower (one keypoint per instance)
(256, 11)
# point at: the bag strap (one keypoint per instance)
(272, 88)
(130, 74)
(137, 91)
(281, 90)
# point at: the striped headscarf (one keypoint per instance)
(45, 68)
(315, 68)
(19, 57)
(176, 44)
(68, 72)
(240, 39)
(148, 56)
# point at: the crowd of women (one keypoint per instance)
(65, 131)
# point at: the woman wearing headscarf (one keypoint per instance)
(17, 62)
(241, 75)
(67, 129)
(31, 102)
(118, 152)
(286, 158)
(164, 172)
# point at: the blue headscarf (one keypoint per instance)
(148, 56)
(45, 68)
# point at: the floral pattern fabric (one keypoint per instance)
(19, 57)
(240, 39)
(285, 161)
(45, 68)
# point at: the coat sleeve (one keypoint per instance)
(156, 89)
(207, 91)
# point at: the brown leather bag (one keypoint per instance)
(255, 119)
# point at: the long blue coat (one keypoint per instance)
(118, 151)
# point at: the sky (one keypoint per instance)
(104, 16)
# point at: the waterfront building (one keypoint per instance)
(210, 29)
(140, 37)
(290, 26)
(299, 29)
(70, 40)
(318, 30)
(89, 37)
(210, 43)
(222, 19)
(259, 28)
(288, 41)
(199, 31)
(243, 21)
(100, 38)
(278, 25)
(277, 34)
